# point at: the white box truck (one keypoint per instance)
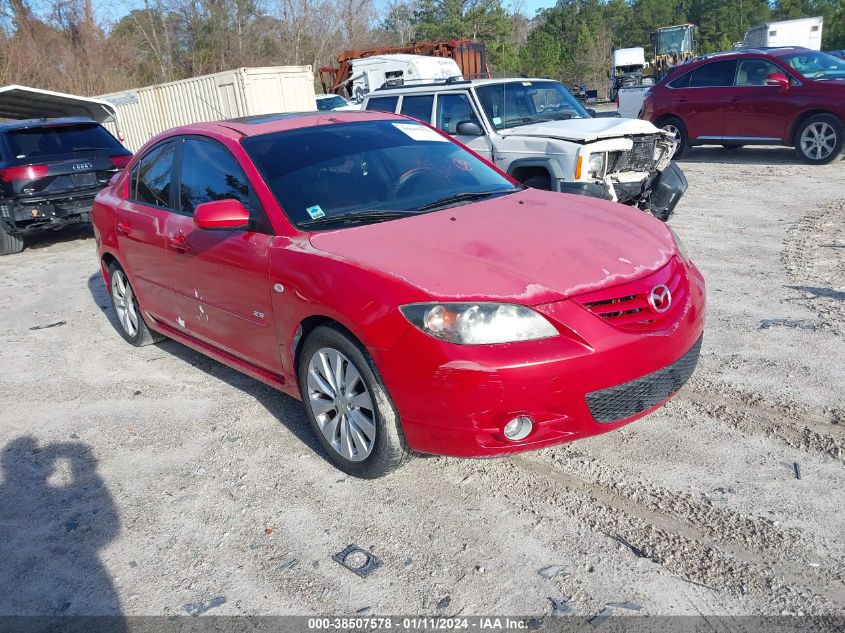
(806, 32)
(145, 112)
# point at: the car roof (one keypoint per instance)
(19, 124)
(257, 125)
(776, 51)
(450, 84)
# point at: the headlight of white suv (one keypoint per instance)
(479, 323)
(596, 165)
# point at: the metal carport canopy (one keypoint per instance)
(22, 102)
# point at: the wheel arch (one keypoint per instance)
(308, 325)
(806, 115)
(524, 168)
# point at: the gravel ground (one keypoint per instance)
(156, 481)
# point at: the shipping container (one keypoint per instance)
(145, 112)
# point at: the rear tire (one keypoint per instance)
(9, 244)
(130, 316)
(819, 139)
(348, 406)
(676, 127)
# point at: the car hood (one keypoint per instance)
(530, 247)
(584, 130)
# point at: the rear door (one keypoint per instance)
(701, 98)
(221, 278)
(758, 112)
(140, 221)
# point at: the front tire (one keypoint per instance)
(819, 139)
(348, 406)
(676, 127)
(130, 317)
(9, 244)
(539, 182)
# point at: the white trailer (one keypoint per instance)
(145, 112)
(371, 73)
(806, 32)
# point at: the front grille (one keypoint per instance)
(639, 158)
(623, 401)
(627, 307)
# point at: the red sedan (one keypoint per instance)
(783, 96)
(413, 296)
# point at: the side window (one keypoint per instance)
(383, 104)
(681, 82)
(453, 109)
(714, 74)
(210, 172)
(753, 72)
(418, 106)
(152, 175)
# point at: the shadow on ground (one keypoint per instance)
(56, 514)
(287, 410)
(748, 155)
(49, 238)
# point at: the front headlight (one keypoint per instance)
(682, 249)
(596, 164)
(479, 323)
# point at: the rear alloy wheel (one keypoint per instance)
(125, 303)
(348, 406)
(9, 244)
(819, 139)
(676, 128)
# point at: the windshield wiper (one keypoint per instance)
(356, 216)
(467, 196)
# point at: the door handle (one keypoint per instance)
(123, 228)
(179, 243)
(733, 98)
(680, 99)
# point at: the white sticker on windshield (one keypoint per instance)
(316, 212)
(420, 132)
(526, 83)
(497, 120)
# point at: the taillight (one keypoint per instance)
(121, 161)
(26, 172)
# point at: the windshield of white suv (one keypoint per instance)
(514, 103)
(816, 65)
(369, 171)
(330, 103)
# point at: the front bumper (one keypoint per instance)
(455, 400)
(22, 216)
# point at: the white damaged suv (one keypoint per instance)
(534, 130)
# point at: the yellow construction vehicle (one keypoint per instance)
(673, 45)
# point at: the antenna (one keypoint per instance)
(222, 116)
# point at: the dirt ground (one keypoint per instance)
(156, 481)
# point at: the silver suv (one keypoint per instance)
(534, 130)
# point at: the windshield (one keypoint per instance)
(330, 103)
(816, 65)
(673, 40)
(368, 167)
(510, 104)
(48, 140)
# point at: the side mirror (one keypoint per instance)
(468, 128)
(778, 79)
(221, 215)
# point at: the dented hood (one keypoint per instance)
(584, 130)
(530, 247)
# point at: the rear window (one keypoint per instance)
(50, 140)
(713, 75)
(383, 104)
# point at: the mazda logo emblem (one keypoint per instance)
(82, 166)
(660, 299)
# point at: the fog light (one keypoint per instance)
(518, 428)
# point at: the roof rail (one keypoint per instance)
(412, 83)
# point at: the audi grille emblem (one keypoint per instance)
(82, 166)
(660, 299)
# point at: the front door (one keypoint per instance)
(454, 109)
(221, 278)
(140, 221)
(758, 112)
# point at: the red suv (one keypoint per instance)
(408, 292)
(783, 96)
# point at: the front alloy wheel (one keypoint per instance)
(341, 404)
(820, 139)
